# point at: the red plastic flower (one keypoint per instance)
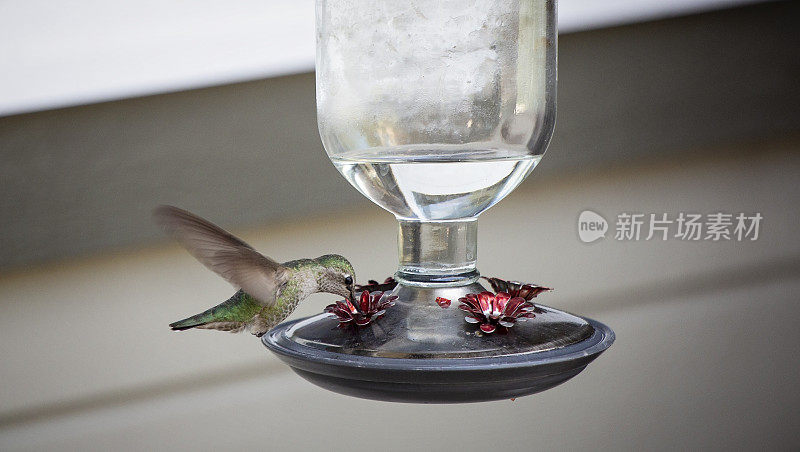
(373, 286)
(518, 289)
(493, 311)
(443, 302)
(372, 305)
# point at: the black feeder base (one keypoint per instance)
(422, 353)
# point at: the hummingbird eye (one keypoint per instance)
(348, 280)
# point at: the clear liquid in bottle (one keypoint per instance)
(434, 185)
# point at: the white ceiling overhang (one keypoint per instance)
(58, 54)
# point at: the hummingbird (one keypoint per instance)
(268, 291)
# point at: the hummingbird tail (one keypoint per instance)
(231, 315)
(191, 322)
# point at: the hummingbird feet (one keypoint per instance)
(259, 327)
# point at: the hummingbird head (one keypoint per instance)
(337, 276)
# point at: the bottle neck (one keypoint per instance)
(438, 253)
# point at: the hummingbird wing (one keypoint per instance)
(224, 254)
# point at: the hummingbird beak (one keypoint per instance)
(353, 300)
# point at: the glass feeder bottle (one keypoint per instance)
(435, 111)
